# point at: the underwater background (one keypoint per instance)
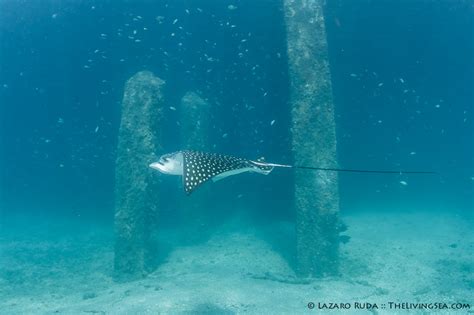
(402, 77)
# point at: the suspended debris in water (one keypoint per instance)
(404, 183)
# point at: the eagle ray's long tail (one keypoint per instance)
(345, 170)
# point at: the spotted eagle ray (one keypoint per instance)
(198, 167)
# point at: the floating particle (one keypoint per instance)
(437, 106)
(380, 84)
(61, 165)
(172, 108)
(5, 86)
(231, 7)
(60, 120)
(47, 140)
(86, 67)
(401, 80)
(353, 75)
(265, 94)
(412, 153)
(55, 15)
(379, 121)
(96, 51)
(96, 129)
(224, 135)
(175, 21)
(272, 122)
(187, 11)
(137, 40)
(404, 183)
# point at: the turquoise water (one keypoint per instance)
(402, 77)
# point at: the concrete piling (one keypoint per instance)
(313, 131)
(194, 122)
(136, 197)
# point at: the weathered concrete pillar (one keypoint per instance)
(195, 124)
(136, 203)
(314, 138)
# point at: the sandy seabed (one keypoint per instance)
(410, 257)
